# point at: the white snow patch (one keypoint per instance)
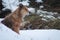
(44, 19)
(13, 4)
(58, 17)
(39, 1)
(10, 4)
(32, 10)
(41, 6)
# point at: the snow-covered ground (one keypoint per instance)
(7, 34)
(41, 34)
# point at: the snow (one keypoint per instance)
(10, 4)
(41, 6)
(42, 34)
(1, 19)
(58, 17)
(44, 19)
(32, 10)
(39, 1)
(45, 12)
(46, 15)
(13, 4)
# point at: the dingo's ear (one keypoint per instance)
(20, 6)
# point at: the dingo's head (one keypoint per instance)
(23, 10)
